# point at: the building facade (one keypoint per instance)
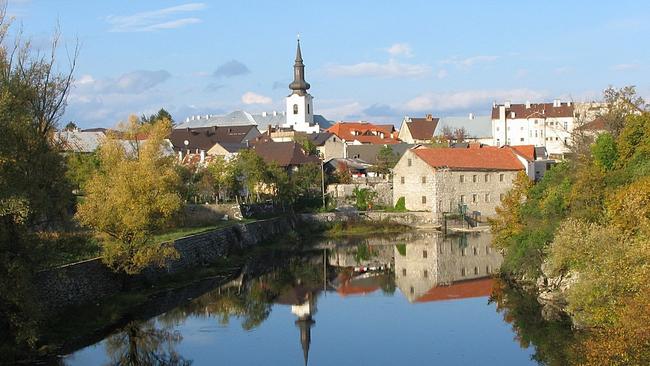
(418, 130)
(440, 179)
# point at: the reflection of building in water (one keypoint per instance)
(367, 253)
(434, 260)
(304, 322)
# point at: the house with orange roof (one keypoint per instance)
(442, 180)
(358, 133)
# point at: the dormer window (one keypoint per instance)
(295, 109)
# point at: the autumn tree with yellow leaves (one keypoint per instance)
(133, 195)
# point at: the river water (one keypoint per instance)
(415, 299)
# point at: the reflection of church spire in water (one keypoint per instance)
(304, 322)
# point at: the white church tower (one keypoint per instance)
(300, 107)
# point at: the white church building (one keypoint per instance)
(299, 112)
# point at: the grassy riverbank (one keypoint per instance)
(363, 228)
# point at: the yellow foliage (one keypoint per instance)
(508, 222)
(134, 194)
(629, 208)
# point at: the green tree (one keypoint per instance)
(71, 126)
(80, 167)
(386, 160)
(620, 104)
(131, 197)
(604, 151)
(161, 115)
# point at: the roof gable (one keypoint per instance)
(422, 128)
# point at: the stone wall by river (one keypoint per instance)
(88, 281)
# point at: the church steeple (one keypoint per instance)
(299, 85)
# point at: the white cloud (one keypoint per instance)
(469, 61)
(441, 74)
(626, 67)
(341, 112)
(155, 20)
(85, 80)
(400, 49)
(252, 98)
(468, 99)
(390, 69)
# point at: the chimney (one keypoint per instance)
(269, 129)
(568, 103)
(429, 117)
(202, 155)
(207, 116)
(556, 103)
(471, 116)
(494, 104)
(527, 104)
(275, 113)
(187, 119)
(507, 104)
(263, 114)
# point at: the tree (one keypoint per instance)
(309, 147)
(605, 152)
(71, 126)
(35, 196)
(620, 104)
(386, 160)
(132, 196)
(161, 115)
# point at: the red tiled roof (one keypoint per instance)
(283, 153)
(538, 110)
(364, 132)
(459, 290)
(526, 151)
(479, 158)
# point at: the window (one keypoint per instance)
(409, 162)
(295, 109)
(521, 139)
(501, 177)
(474, 198)
(497, 128)
(475, 251)
(474, 179)
(488, 270)
(403, 271)
(498, 142)
(424, 180)
(475, 270)
(333, 139)
(307, 108)
(424, 199)
(462, 272)
(487, 178)
(401, 180)
(424, 254)
(487, 197)
(412, 290)
(462, 179)
(566, 125)
(425, 274)
(462, 199)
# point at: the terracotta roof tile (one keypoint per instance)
(526, 151)
(598, 124)
(483, 158)
(459, 290)
(365, 133)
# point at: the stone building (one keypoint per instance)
(430, 264)
(442, 179)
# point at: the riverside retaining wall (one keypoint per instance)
(89, 281)
(416, 219)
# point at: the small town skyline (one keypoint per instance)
(192, 58)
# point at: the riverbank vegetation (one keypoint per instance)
(586, 224)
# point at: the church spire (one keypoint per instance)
(299, 85)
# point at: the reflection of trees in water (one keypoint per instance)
(250, 301)
(553, 340)
(144, 344)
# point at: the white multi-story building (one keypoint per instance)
(540, 124)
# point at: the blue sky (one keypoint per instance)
(369, 60)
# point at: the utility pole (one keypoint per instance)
(322, 177)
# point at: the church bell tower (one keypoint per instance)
(300, 108)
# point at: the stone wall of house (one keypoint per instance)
(88, 281)
(343, 193)
(413, 179)
(415, 219)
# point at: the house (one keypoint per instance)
(81, 141)
(535, 159)
(289, 155)
(222, 141)
(418, 130)
(540, 124)
(358, 133)
(356, 167)
(444, 179)
(329, 146)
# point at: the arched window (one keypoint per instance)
(295, 109)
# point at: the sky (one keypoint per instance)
(376, 60)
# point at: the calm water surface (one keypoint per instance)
(420, 299)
